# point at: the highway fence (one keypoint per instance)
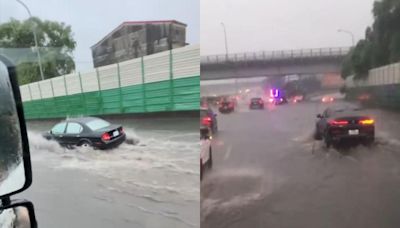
(380, 88)
(164, 82)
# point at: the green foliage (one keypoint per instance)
(381, 45)
(55, 41)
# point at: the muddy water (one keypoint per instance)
(151, 180)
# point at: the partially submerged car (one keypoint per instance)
(208, 119)
(87, 132)
(256, 103)
(340, 123)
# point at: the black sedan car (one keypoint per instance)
(226, 106)
(344, 122)
(256, 103)
(87, 132)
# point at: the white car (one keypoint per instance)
(205, 152)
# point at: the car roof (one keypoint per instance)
(82, 120)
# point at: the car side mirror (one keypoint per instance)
(15, 163)
(319, 116)
(19, 213)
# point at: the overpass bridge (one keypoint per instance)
(273, 63)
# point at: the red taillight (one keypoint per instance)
(367, 122)
(106, 137)
(206, 121)
(338, 122)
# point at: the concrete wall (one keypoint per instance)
(136, 40)
(380, 88)
(264, 69)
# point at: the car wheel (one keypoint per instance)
(210, 160)
(201, 169)
(317, 135)
(85, 144)
(328, 141)
(368, 141)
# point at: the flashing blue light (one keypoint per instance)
(274, 93)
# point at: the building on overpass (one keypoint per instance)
(133, 39)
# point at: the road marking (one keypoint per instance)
(228, 153)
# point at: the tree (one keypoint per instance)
(55, 41)
(381, 45)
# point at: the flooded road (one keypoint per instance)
(150, 181)
(269, 172)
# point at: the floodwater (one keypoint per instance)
(150, 181)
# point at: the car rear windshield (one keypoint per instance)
(255, 99)
(97, 124)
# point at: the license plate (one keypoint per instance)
(116, 133)
(354, 132)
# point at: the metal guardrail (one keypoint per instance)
(275, 55)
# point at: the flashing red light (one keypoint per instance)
(338, 122)
(106, 137)
(367, 122)
(206, 121)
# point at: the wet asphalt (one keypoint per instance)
(269, 172)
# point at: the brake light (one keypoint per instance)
(106, 137)
(367, 122)
(206, 121)
(338, 122)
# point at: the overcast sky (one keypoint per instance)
(91, 20)
(256, 25)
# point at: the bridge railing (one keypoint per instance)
(275, 55)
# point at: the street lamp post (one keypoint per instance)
(35, 38)
(226, 41)
(227, 53)
(349, 33)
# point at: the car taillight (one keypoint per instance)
(338, 122)
(122, 131)
(206, 121)
(261, 102)
(367, 122)
(106, 137)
